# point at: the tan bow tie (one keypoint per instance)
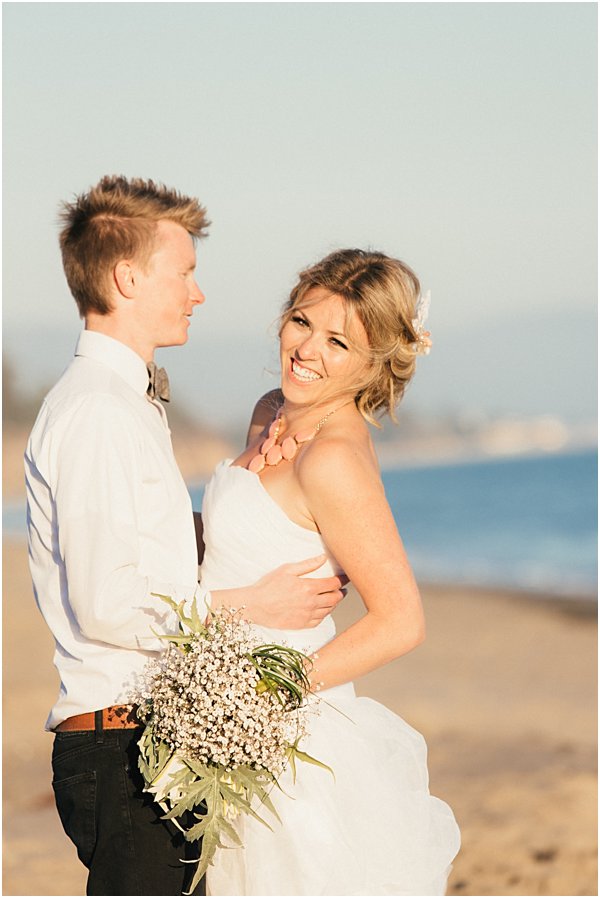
(158, 387)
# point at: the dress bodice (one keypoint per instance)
(247, 534)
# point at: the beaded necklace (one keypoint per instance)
(272, 453)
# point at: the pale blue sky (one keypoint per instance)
(460, 137)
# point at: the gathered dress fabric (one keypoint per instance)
(371, 828)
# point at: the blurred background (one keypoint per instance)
(460, 137)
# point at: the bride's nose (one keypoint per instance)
(308, 349)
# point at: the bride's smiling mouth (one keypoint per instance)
(302, 374)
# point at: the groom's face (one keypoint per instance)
(168, 289)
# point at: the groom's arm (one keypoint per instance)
(92, 463)
(285, 598)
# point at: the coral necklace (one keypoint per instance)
(271, 452)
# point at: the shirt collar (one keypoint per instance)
(116, 356)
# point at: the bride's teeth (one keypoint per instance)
(304, 373)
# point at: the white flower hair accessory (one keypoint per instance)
(423, 344)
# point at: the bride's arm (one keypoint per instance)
(345, 496)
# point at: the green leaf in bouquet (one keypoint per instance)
(182, 778)
(196, 832)
(282, 671)
(260, 819)
(193, 622)
(291, 758)
(254, 781)
(240, 802)
(177, 607)
(176, 638)
(197, 624)
(239, 798)
(200, 769)
(198, 791)
(211, 830)
(275, 682)
(170, 602)
(229, 829)
(294, 753)
(154, 755)
(210, 842)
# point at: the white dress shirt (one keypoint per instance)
(109, 523)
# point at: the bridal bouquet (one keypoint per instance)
(224, 716)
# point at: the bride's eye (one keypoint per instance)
(339, 343)
(298, 319)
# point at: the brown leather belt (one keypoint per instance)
(117, 717)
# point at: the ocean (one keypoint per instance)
(527, 523)
(523, 523)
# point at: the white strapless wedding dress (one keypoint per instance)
(374, 829)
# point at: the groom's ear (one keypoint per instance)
(124, 274)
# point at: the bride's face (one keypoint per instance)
(319, 357)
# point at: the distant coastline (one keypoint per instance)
(453, 442)
(390, 460)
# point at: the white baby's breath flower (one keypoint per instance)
(224, 711)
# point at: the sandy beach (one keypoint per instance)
(503, 689)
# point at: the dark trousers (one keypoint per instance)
(115, 826)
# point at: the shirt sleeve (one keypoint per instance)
(94, 467)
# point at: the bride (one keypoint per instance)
(308, 482)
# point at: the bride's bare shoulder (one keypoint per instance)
(341, 456)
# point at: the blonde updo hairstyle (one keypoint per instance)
(383, 293)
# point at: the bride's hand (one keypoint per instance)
(285, 599)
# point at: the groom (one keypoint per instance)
(110, 524)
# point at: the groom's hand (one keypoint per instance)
(285, 599)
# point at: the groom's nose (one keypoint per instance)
(196, 294)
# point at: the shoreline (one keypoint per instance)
(576, 604)
(581, 604)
